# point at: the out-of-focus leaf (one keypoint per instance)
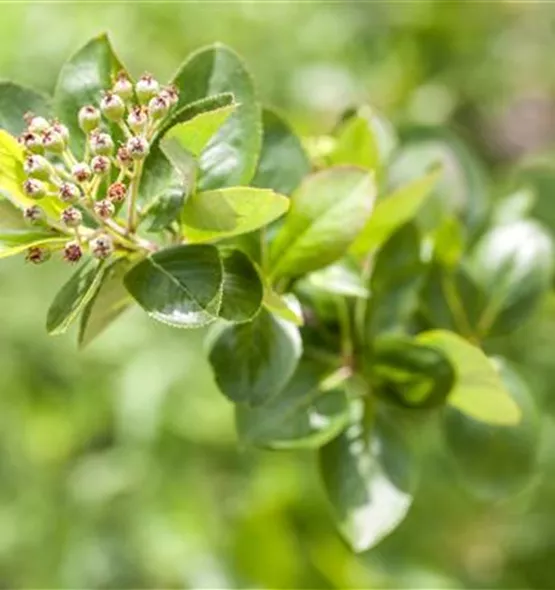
(16, 101)
(356, 145)
(339, 279)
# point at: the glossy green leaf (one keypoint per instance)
(513, 265)
(305, 414)
(180, 286)
(231, 156)
(107, 304)
(410, 374)
(478, 392)
(16, 101)
(339, 279)
(74, 296)
(283, 162)
(392, 212)
(495, 460)
(166, 210)
(81, 81)
(287, 307)
(242, 289)
(229, 212)
(252, 362)
(369, 478)
(327, 212)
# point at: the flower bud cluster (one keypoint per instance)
(118, 133)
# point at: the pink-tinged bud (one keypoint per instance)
(37, 166)
(53, 141)
(34, 215)
(158, 107)
(101, 247)
(38, 254)
(101, 143)
(137, 119)
(123, 87)
(61, 129)
(117, 192)
(137, 147)
(73, 252)
(36, 124)
(123, 158)
(32, 142)
(100, 165)
(69, 192)
(146, 88)
(104, 209)
(81, 172)
(112, 106)
(34, 188)
(89, 118)
(171, 94)
(71, 217)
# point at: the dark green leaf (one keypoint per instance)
(253, 361)
(17, 100)
(166, 210)
(283, 162)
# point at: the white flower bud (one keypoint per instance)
(34, 188)
(37, 166)
(102, 246)
(112, 106)
(101, 143)
(123, 87)
(34, 215)
(137, 147)
(104, 208)
(100, 165)
(89, 118)
(81, 172)
(69, 192)
(71, 217)
(146, 88)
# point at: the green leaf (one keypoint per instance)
(231, 156)
(193, 135)
(305, 414)
(74, 296)
(495, 460)
(513, 266)
(478, 393)
(81, 81)
(392, 212)
(180, 286)
(410, 374)
(17, 100)
(18, 242)
(287, 306)
(356, 145)
(338, 279)
(166, 210)
(252, 362)
(107, 304)
(242, 289)
(369, 478)
(327, 212)
(283, 162)
(229, 212)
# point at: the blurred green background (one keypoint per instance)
(119, 466)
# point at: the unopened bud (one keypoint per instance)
(117, 192)
(71, 217)
(34, 215)
(69, 192)
(34, 188)
(146, 88)
(137, 147)
(100, 165)
(32, 142)
(36, 124)
(158, 107)
(104, 208)
(123, 87)
(102, 246)
(73, 252)
(112, 106)
(53, 141)
(61, 129)
(101, 143)
(37, 166)
(137, 119)
(171, 94)
(81, 172)
(123, 158)
(38, 254)
(89, 118)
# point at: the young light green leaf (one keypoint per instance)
(74, 296)
(305, 414)
(13, 243)
(369, 478)
(107, 304)
(229, 212)
(16, 101)
(356, 145)
(283, 162)
(252, 362)
(81, 81)
(180, 286)
(327, 212)
(231, 156)
(392, 212)
(287, 307)
(339, 279)
(478, 392)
